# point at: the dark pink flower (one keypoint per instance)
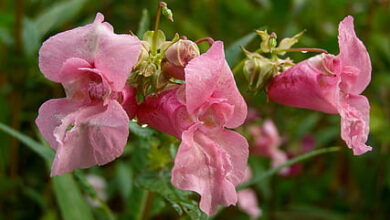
(90, 126)
(211, 160)
(332, 84)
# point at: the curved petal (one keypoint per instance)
(227, 89)
(50, 115)
(210, 76)
(112, 54)
(353, 53)
(94, 135)
(165, 113)
(211, 164)
(202, 74)
(305, 85)
(354, 111)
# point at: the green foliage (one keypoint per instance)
(43, 151)
(51, 18)
(178, 199)
(69, 198)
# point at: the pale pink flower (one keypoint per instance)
(247, 199)
(211, 160)
(332, 84)
(90, 126)
(267, 142)
(99, 184)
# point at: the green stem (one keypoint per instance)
(156, 25)
(287, 164)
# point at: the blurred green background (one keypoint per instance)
(332, 186)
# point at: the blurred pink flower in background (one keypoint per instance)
(247, 199)
(332, 84)
(99, 184)
(90, 126)
(211, 160)
(306, 145)
(267, 142)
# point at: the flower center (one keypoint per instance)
(97, 90)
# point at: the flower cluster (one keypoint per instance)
(211, 159)
(192, 96)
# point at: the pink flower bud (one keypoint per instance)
(177, 57)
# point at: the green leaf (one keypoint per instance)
(287, 164)
(178, 199)
(143, 25)
(35, 29)
(57, 15)
(31, 37)
(45, 152)
(124, 176)
(70, 200)
(234, 50)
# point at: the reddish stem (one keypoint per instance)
(205, 39)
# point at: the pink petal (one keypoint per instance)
(92, 135)
(72, 69)
(50, 115)
(354, 54)
(165, 112)
(211, 164)
(210, 76)
(305, 85)
(247, 202)
(114, 55)
(354, 111)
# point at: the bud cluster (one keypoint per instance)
(162, 60)
(258, 68)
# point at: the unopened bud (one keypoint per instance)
(149, 69)
(177, 57)
(143, 56)
(272, 41)
(258, 72)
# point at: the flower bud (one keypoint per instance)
(258, 72)
(144, 55)
(177, 57)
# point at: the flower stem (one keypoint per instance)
(156, 25)
(205, 39)
(287, 164)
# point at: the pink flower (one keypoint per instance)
(211, 160)
(332, 84)
(267, 142)
(247, 199)
(90, 125)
